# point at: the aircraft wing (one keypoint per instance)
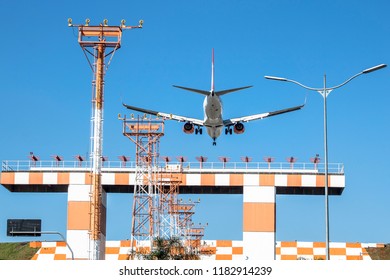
(165, 115)
(260, 116)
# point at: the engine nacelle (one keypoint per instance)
(188, 128)
(239, 128)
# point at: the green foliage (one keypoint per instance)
(168, 249)
(16, 251)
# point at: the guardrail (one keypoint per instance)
(27, 165)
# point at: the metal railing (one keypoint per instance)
(53, 166)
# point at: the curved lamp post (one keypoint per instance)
(325, 91)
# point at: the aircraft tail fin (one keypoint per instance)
(222, 92)
(212, 71)
(205, 92)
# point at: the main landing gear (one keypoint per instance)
(228, 130)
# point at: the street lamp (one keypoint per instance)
(325, 91)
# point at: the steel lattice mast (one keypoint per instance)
(95, 40)
(146, 134)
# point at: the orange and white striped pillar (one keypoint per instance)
(259, 218)
(79, 220)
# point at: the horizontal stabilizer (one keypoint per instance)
(204, 92)
(222, 92)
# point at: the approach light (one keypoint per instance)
(87, 21)
(70, 22)
(105, 22)
(123, 23)
(141, 23)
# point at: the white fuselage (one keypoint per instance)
(213, 121)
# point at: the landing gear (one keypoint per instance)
(228, 130)
(214, 142)
(198, 130)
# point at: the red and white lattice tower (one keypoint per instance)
(95, 40)
(146, 134)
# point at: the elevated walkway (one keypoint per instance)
(210, 178)
(259, 183)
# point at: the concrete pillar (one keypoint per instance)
(79, 216)
(259, 219)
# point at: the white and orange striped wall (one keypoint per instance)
(259, 188)
(226, 250)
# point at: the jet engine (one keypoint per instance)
(239, 128)
(188, 128)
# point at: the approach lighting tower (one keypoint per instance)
(95, 40)
(145, 133)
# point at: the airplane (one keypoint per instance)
(212, 107)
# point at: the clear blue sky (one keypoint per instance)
(45, 105)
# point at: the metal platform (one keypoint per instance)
(211, 178)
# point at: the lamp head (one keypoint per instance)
(372, 69)
(70, 22)
(275, 78)
(141, 23)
